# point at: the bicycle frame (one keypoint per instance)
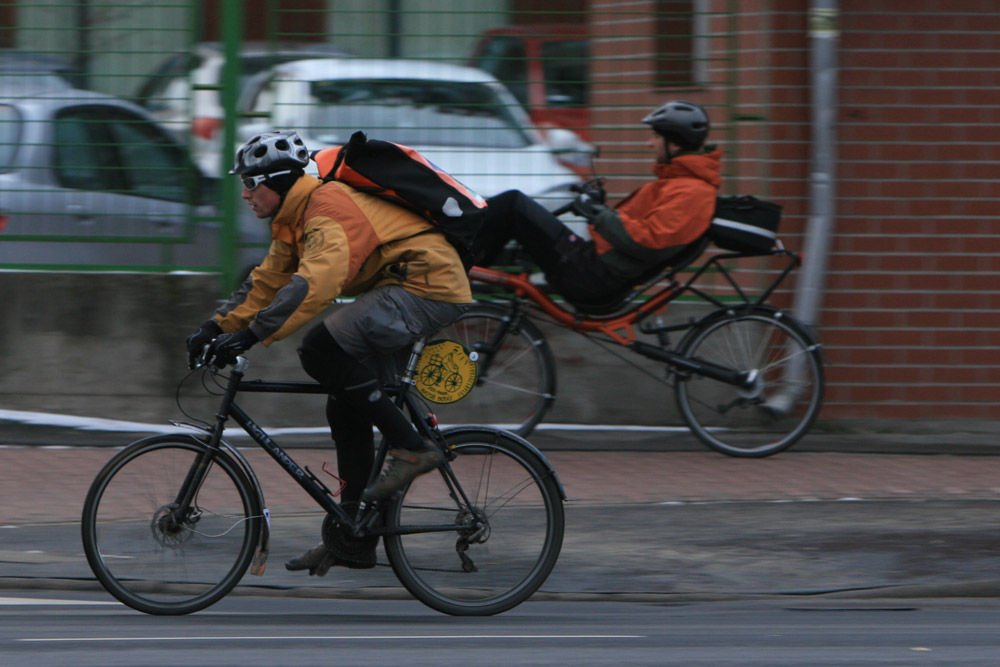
(309, 482)
(620, 327)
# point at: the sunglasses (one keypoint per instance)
(252, 182)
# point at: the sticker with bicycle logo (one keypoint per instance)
(446, 371)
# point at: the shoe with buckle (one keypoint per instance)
(404, 466)
(317, 560)
(358, 554)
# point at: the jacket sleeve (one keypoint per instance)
(259, 289)
(678, 216)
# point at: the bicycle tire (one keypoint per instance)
(177, 571)
(515, 535)
(516, 384)
(779, 409)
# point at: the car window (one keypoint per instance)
(506, 59)
(84, 156)
(413, 112)
(154, 91)
(111, 149)
(10, 132)
(156, 166)
(565, 64)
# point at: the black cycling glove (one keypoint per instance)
(586, 207)
(593, 189)
(201, 337)
(224, 348)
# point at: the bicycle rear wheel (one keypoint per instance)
(145, 557)
(480, 535)
(517, 373)
(785, 397)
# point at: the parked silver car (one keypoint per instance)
(461, 118)
(88, 180)
(183, 92)
(18, 67)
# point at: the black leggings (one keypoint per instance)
(570, 263)
(356, 404)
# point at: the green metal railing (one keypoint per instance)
(115, 50)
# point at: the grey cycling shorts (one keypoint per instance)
(385, 321)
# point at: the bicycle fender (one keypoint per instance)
(259, 562)
(762, 309)
(537, 453)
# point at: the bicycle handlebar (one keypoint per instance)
(562, 210)
(203, 360)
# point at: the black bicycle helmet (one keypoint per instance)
(683, 123)
(270, 152)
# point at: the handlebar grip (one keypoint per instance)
(565, 208)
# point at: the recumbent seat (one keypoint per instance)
(684, 257)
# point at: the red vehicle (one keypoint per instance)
(546, 66)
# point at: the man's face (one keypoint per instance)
(661, 147)
(262, 200)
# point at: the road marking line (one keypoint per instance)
(116, 425)
(17, 602)
(318, 637)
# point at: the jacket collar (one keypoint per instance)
(289, 215)
(703, 166)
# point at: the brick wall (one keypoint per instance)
(910, 317)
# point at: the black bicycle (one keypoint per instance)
(172, 522)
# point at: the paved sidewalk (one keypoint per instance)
(683, 524)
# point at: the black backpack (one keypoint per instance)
(401, 175)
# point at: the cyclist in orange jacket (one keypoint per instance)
(328, 240)
(640, 234)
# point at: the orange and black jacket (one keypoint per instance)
(661, 217)
(328, 240)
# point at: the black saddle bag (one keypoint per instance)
(745, 224)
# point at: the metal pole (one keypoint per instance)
(81, 63)
(823, 38)
(394, 28)
(232, 22)
(824, 18)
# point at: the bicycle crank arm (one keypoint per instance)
(742, 379)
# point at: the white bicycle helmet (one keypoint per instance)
(270, 152)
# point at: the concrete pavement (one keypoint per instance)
(673, 522)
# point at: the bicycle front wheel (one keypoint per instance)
(517, 373)
(481, 534)
(146, 554)
(787, 390)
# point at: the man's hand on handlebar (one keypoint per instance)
(594, 189)
(590, 201)
(585, 207)
(224, 348)
(201, 337)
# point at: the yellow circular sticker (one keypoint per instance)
(446, 372)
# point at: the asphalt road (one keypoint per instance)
(81, 631)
